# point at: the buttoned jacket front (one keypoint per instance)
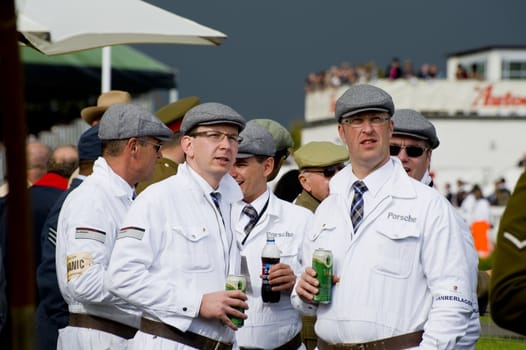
(172, 249)
(411, 266)
(270, 325)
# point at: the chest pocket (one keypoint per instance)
(193, 244)
(398, 249)
(289, 253)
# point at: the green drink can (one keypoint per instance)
(237, 282)
(322, 264)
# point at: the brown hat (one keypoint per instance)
(172, 114)
(105, 100)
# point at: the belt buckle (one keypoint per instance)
(218, 345)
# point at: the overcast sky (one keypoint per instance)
(272, 45)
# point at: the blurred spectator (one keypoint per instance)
(408, 71)
(480, 209)
(45, 192)
(423, 73)
(474, 73)
(394, 71)
(334, 77)
(347, 74)
(461, 193)
(476, 210)
(361, 74)
(501, 194)
(433, 72)
(461, 72)
(448, 193)
(38, 155)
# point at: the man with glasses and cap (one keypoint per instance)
(404, 272)
(88, 224)
(176, 248)
(259, 214)
(318, 162)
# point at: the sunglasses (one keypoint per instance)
(328, 172)
(412, 151)
(156, 146)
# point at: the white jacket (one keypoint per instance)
(87, 228)
(270, 325)
(173, 248)
(411, 266)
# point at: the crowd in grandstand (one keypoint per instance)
(346, 73)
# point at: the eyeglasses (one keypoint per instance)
(156, 146)
(218, 136)
(359, 122)
(328, 172)
(412, 151)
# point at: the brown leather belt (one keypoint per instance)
(398, 342)
(292, 344)
(194, 340)
(102, 324)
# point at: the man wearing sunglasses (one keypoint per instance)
(88, 225)
(404, 273)
(318, 162)
(413, 141)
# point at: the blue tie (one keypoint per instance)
(249, 211)
(357, 204)
(216, 196)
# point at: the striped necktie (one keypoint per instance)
(216, 197)
(357, 204)
(249, 211)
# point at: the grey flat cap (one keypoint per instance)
(211, 113)
(361, 98)
(257, 141)
(280, 134)
(408, 122)
(122, 121)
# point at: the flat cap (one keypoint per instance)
(211, 113)
(408, 122)
(89, 145)
(257, 141)
(172, 114)
(361, 98)
(122, 121)
(106, 99)
(320, 154)
(282, 138)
